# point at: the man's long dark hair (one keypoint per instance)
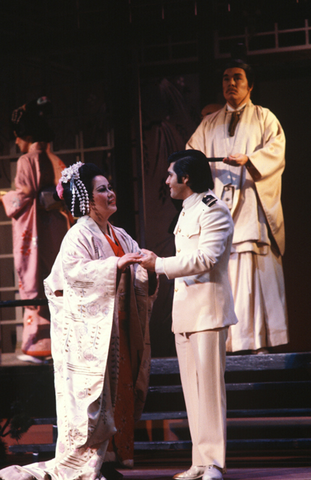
(194, 164)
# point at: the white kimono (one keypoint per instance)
(81, 290)
(254, 198)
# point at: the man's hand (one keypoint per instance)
(148, 260)
(127, 260)
(236, 160)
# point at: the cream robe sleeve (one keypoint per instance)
(269, 162)
(260, 137)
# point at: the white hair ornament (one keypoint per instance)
(77, 187)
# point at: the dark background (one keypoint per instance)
(117, 65)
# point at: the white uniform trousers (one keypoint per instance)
(202, 362)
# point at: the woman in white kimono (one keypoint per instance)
(100, 301)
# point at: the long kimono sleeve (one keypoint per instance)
(269, 158)
(89, 289)
(21, 206)
(19, 200)
(269, 162)
(81, 326)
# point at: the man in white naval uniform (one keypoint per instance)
(202, 307)
(251, 142)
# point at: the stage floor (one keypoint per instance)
(298, 473)
(149, 469)
(157, 466)
(13, 360)
(291, 465)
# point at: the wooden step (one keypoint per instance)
(268, 397)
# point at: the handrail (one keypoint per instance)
(23, 303)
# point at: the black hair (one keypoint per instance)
(249, 72)
(30, 120)
(194, 164)
(87, 172)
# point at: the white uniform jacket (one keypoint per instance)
(203, 237)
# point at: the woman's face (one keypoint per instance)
(103, 204)
(23, 143)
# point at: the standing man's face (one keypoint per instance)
(178, 191)
(235, 87)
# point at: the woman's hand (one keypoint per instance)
(127, 260)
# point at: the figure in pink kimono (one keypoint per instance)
(39, 223)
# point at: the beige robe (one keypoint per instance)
(254, 198)
(84, 332)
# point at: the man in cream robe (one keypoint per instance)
(249, 181)
(83, 299)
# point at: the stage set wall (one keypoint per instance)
(159, 110)
(171, 109)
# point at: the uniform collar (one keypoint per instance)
(192, 200)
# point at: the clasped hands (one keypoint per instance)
(236, 160)
(146, 259)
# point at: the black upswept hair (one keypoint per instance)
(87, 172)
(249, 72)
(31, 120)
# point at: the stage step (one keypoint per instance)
(258, 445)
(252, 445)
(268, 397)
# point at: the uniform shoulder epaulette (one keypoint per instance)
(209, 200)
